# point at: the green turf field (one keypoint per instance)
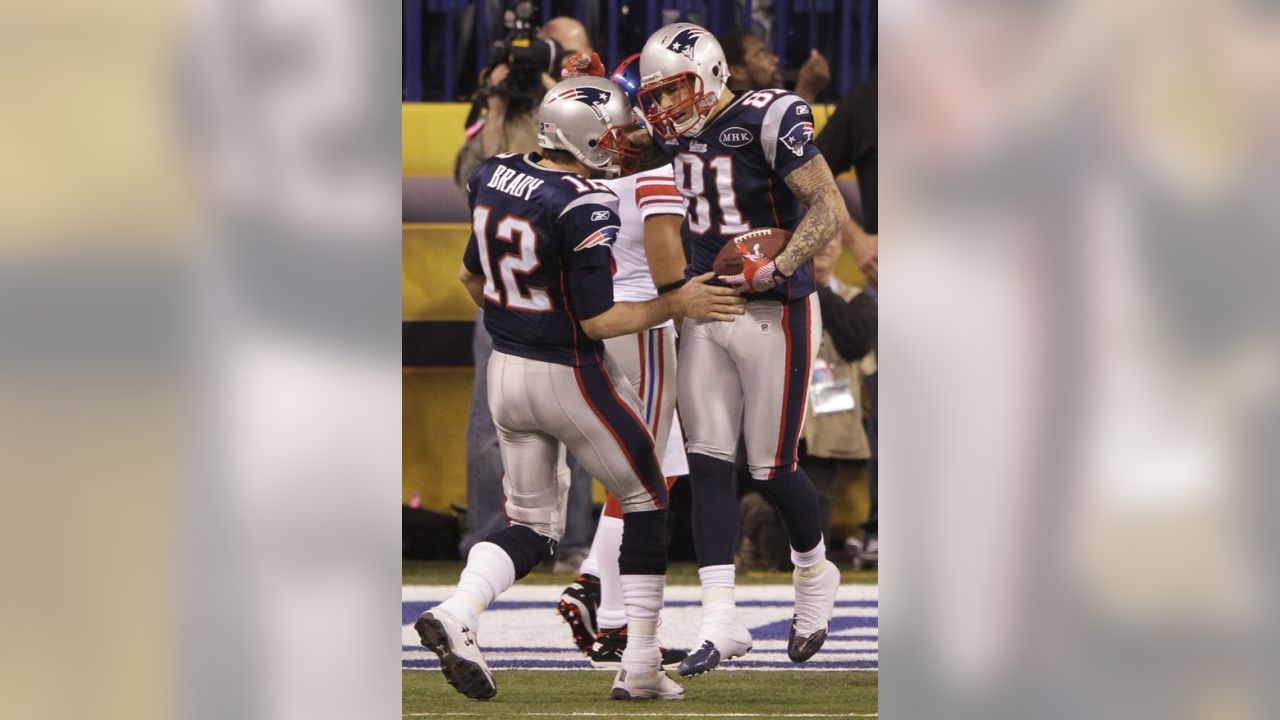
(445, 572)
(744, 693)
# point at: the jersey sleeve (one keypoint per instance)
(786, 134)
(471, 257)
(656, 194)
(588, 226)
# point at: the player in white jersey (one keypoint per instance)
(647, 255)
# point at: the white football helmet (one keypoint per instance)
(684, 61)
(588, 117)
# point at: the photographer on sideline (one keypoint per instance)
(522, 68)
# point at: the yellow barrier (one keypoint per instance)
(434, 407)
(430, 135)
(430, 255)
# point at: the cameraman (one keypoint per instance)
(512, 88)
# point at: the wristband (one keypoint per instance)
(672, 286)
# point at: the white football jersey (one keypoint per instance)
(640, 196)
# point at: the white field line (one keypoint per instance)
(518, 592)
(632, 714)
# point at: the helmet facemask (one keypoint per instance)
(626, 156)
(687, 114)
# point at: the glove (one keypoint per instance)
(758, 274)
(583, 64)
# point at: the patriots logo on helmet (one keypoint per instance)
(588, 95)
(797, 137)
(684, 41)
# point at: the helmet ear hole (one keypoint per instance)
(592, 143)
(715, 70)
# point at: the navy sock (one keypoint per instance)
(644, 543)
(526, 547)
(794, 497)
(715, 509)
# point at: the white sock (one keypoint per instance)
(809, 558)
(717, 591)
(613, 612)
(489, 572)
(591, 563)
(643, 597)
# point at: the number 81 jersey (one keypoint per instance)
(541, 238)
(731, 177)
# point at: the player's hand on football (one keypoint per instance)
(701, 301)
(758, 275)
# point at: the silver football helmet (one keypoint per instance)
(588, 117)
(682, 73)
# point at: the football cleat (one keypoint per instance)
(607, 650)
(577, 606)
(653, 685)
(815, 603)
(460, 659)
(719, 642)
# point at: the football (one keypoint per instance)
(766, 242)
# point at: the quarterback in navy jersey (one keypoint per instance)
(744, 162)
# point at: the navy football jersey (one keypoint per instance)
(731, 176)
(541, 238)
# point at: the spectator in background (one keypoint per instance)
(752, 66)
(569, 32)
(497, 133)
(833, 431)
(849, 140)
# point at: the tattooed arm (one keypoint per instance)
(815, 186)
(650, 156)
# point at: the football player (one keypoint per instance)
(745, 161)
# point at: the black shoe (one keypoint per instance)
(578, 605)
(607, 650)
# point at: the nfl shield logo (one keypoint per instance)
(764, 327)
